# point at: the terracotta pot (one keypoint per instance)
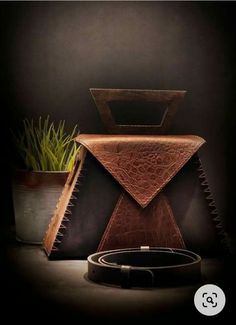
(35, 196)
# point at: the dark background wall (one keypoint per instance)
(53, 52)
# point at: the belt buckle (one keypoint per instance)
(128, 277)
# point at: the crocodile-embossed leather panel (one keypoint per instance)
(132, 226)
(143, 165)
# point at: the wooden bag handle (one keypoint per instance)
(170, 98)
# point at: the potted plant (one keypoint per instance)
(47, 154)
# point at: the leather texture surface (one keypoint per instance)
(143, 165)
(135, 191)
(130, 223)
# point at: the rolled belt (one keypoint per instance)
(144, 267)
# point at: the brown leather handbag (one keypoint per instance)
(131, 190)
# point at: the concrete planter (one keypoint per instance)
(35, 196)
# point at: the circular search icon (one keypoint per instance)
(209, 300)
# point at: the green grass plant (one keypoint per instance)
(45, 146)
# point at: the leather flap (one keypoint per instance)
(142, 165)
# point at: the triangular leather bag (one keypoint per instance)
(135, 190)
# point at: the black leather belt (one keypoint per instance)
(144, 267)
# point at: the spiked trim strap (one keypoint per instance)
(61, 216)
(212, 206)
